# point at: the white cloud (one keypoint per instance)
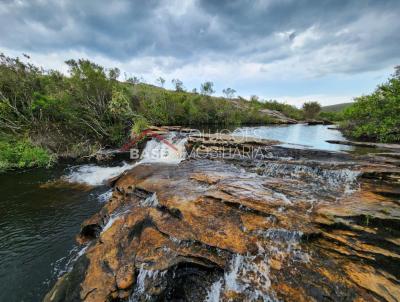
(236, 44)
(310, 35)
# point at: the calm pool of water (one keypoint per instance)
(37, 230)
(303, 136)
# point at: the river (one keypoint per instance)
(39, 222)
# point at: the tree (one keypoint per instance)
(113, 73)
(207, 88)
(119, 106)
(254, 99)
(229, 92)
(135, 80)
(161, 81)
(178, 84)
(311, 109)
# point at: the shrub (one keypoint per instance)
(311, 109)
(140, 124)
(23, 154)
(331, 116)
(376, 116)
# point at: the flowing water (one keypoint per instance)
(39, 223)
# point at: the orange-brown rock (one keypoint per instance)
(307, 226)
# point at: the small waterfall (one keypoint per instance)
(144, 277)
(105, 196)
(214, 293)
(316, 180)
(94, 175)
(249, 275)
(333, 177)
(110, 222)
(246, 274)
(171, 151)
(151, 201)
(65, 264)
(113, 217)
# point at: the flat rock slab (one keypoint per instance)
(394, 147)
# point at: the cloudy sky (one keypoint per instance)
(289, 50)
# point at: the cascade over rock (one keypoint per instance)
(266, 223)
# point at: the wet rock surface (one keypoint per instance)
(264, 224)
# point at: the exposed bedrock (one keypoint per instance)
(290, 226)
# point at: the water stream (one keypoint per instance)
(39, 223)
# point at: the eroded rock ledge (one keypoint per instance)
(287, 225)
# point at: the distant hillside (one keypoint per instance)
(336, 108)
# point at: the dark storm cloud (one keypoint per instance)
(333, 31)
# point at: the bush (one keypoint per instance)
(23, 154)
(331, 116)
(376, 116)
(140, 124)
(311, 109)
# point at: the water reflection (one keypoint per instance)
(38, 225)
(303, 136)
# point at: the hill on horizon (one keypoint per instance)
(336, 107)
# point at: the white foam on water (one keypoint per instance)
(172, 150)
(94, 175)
(112, 219)
(65, 264)
(332, 177)
(246, 274)
(151, 201)
(142, 279)
(215, 292)
(249, 275)
(105, 196)
(110, 222)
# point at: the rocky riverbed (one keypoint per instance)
(244, 220)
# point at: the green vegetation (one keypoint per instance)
(286, 109)
(376, 117)
(311, 109)
(22, 154)
(336, 108)
(45, 114)
(51, 114)
(331, 116)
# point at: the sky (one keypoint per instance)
(289, 50)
